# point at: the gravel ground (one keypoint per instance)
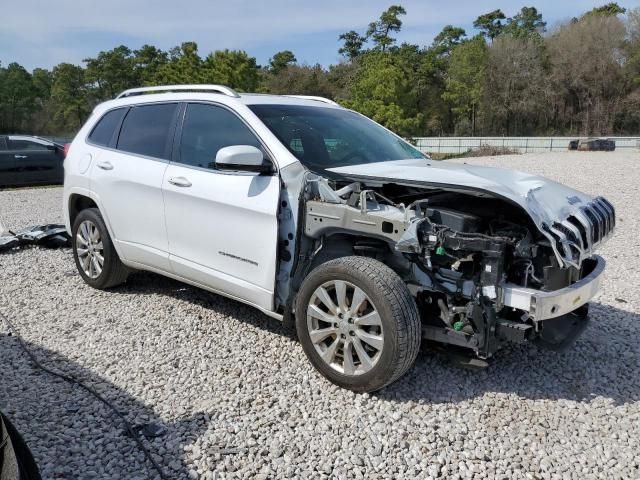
(238, 398)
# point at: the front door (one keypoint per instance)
(222, 226)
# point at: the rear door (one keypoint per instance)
(221, 225)
(7, 164)
(37, 161)
(127, 177)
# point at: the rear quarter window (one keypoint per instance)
(146, 130)
(102, 133)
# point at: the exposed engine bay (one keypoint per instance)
(481, 270)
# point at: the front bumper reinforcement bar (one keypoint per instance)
(543, 305)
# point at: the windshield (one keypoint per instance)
(330, 137)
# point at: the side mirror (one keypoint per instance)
(242, 157)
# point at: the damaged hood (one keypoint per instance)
(546, 201)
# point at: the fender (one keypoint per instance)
(84, 192)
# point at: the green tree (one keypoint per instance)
(632, 47)
(464, 87)
(281, 60)
(300, 80)
(42, 80)
(447, 39)
(340, 77)
(629, 119)
(380, 30)
(517, 87)
(233, 68)
(69, 98)
(587, 70)
(527, 22)
(17, 98)
(608, 10)
(490, 24)
(352, 44)
(147, 62)
(111, 72)
(184, 66)
(383, 90)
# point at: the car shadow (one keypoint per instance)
(604, 361)
(148, 283)
(72, 434)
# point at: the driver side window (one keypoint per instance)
(207, 129)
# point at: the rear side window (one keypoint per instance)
(3, 143)
(206, 130)
(146, 130)
(102, 133)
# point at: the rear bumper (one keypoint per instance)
(544, 305)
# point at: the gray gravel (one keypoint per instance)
(239, 399)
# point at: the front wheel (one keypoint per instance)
(358, 323)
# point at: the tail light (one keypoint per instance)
(65, 150)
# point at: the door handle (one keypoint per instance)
(179, 182)
(19, 156)
(104, 165)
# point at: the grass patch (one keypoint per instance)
(481, 151)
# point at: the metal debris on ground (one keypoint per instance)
(48, 236)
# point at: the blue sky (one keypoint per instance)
(42, 33)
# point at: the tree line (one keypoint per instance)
(514, 77)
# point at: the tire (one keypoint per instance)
(380, 335)
(27, 467)
(112, 272)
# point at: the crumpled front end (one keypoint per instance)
(484, 269)
(575, 225)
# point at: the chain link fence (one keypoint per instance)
(519, 144)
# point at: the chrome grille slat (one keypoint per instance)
(611, 208)
(607, 207)
(588, 227)
(599, 233)
(593, 219)
(580, 233)
(576, 227)
(605, 217)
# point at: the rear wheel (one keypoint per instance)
(96, 259)
(358, 323)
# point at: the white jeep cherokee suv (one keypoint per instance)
(316, 215)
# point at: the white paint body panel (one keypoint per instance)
(131, 200)
(223, 229)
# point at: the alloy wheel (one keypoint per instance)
(90, 249)
(345, 327)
